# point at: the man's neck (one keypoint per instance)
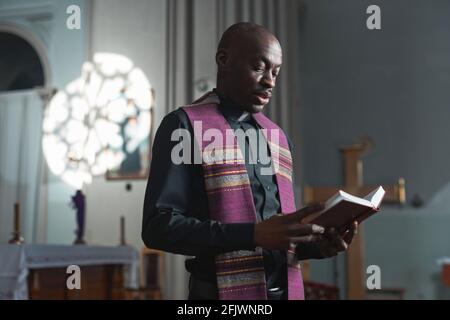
(232, 109)
(228, 101)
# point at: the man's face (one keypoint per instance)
(252, 72)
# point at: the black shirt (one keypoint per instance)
(176, 215)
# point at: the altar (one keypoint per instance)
(40, 271)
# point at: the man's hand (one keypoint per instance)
(329, 244)
(283, 231)
(335, 242)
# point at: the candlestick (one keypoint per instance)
(16, 218)
(122, 231)
(17, 238)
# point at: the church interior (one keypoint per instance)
(363, 95)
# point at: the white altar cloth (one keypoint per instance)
(16, 260)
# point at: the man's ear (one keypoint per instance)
(222, 59)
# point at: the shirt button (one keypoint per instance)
(268, 188)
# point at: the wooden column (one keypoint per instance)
(353, 184)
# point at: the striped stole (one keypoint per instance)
(240, 274)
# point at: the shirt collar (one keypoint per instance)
(232, 111)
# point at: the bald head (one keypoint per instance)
(244, 32)
(248, 58)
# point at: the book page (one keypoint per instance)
(376, 196)
(342, 195)
(354, 199)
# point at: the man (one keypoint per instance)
(239, 222)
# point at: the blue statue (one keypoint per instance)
(78, 203)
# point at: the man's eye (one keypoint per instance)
(259, 68)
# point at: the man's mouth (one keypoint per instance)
(263, 97)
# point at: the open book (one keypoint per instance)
(343, 208)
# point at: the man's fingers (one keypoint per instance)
(304, 212)
(339, 244)
(348, 238)
(353, 231)
(300, 229)
(328, 252)
(342, 245)
(305, 239)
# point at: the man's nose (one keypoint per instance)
(269, 80)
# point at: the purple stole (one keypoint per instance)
(240, 274)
